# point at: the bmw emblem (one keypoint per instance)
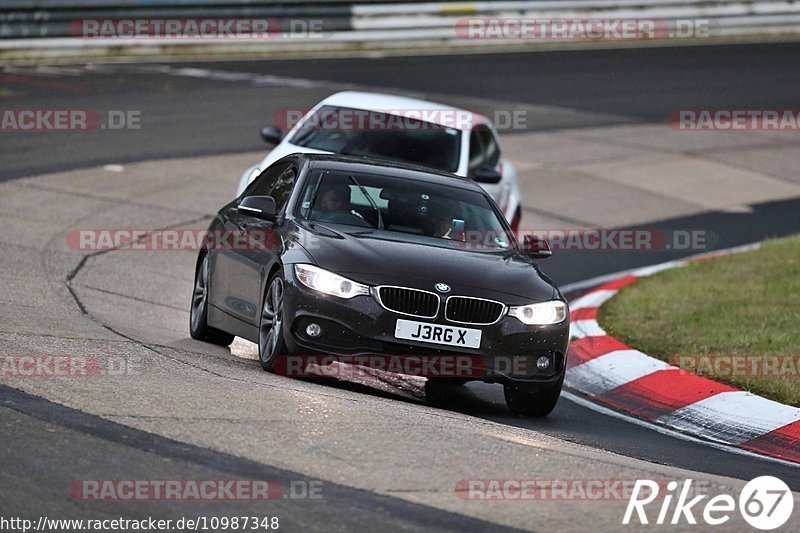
(443, 287)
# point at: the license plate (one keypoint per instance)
(437, 334)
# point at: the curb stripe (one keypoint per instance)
(588, 348)
(586, 328)
(592, 299)
(784, 442)
(662, 392)
(733, 417)
(611, 373)
(584, 313)
(619, 284)
(612, 370)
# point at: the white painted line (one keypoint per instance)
(611, 370)
(585, 328)
(593, 299)
(733, 417)
(594, 282)
(649, 271)
(588, 404)
(605, 278)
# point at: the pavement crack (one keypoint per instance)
(129, 297)
(102, 198)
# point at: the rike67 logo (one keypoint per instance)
(766, 503)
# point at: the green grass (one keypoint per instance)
(742, 304)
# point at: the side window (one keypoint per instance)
(282, 189)
(490, 148)
(476, 153)
(263, 184)
(308, 194)
(483, 149)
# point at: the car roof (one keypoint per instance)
(387, 168)
(436, 113)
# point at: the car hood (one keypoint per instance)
(375, 258)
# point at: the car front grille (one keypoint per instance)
(412, 302)
(467, 310)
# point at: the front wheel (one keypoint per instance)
(198, 313)
(528, 399)
(270, 329)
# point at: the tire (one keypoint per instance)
(271, 344)
(525, 399)
(198, 312)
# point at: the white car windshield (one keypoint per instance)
(359, 132)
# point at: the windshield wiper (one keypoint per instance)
(371, 201)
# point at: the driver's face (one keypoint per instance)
(335, 199)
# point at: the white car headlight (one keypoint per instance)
(541, 314)
(327, 282)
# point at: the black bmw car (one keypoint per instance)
(345, 256)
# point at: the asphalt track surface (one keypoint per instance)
(188, 116)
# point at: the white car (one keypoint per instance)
(408, 130)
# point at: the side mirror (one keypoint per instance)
(487, 174)
(262, 207)
(536, 247)
(271, 134)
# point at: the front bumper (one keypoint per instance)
(361, 326)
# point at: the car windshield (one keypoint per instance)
(452, 216)
(380, 135)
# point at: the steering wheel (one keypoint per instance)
(342, 217)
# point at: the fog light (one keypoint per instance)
(313, 330)
(543, 362)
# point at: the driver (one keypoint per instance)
(440, 220)
(333, 205)
(334, 197)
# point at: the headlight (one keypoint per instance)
(328, 282)
(541, 314)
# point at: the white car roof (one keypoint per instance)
(397, 105)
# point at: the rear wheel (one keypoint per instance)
(270, 329)
(527, 399)
(198, 313)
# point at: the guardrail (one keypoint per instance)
(340, 24)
